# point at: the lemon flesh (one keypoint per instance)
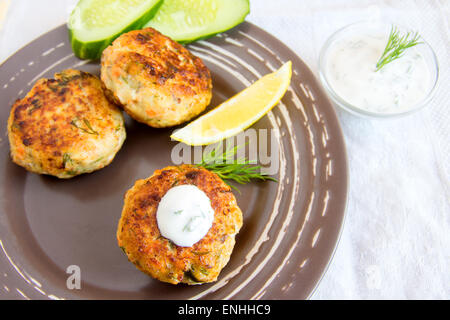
(239, 112)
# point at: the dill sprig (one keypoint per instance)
(226, 167)
(396, 45)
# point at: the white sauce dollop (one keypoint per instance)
(184, 215)
(397, 86)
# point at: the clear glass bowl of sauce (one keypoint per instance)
(347, 67)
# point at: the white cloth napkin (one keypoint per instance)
(396, 238)
(395, 242)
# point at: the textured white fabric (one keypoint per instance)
(396, 240)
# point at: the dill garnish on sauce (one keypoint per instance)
(396, 45)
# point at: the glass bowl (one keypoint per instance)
(379, 28)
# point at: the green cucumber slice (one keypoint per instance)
(94, 24)
(188, 20)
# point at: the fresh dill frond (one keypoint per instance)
(396, 45)
(226, 167)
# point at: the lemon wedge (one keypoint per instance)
(239, 112)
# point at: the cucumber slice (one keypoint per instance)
(188, 20)
(94, 24)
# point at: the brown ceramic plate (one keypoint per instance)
(290, 228)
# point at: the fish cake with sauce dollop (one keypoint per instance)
(139, 237)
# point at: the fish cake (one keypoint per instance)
(65, 126)
(156, 80)
(139, 237)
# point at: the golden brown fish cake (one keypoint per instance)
(155, 79)
(139, 237)
(65, 126)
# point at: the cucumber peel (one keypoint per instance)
(189, 20)
(94, 24)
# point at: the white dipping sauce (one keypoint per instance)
(397, 86)
(184, 215)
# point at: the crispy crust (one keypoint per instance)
(65, 126)
(155, 79)
(139, 237)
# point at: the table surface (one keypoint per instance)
(396, 237)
